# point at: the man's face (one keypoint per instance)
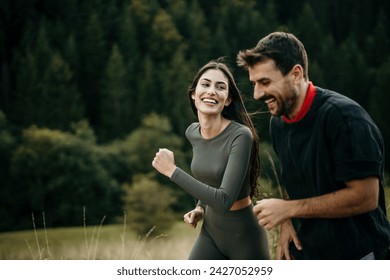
(270, 86)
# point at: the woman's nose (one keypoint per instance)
(211, 90)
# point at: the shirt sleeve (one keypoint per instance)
(201, 204)
(223, 197)
(357, 151)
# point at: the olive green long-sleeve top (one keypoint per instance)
(219, 166)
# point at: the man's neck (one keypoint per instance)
(302, 91)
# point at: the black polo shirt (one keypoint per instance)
(336, 141)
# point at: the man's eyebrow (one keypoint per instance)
(263, 80)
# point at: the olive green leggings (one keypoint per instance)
(234, 235)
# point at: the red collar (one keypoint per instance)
(311, 93)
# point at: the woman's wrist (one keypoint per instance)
(199, 208)
(170, 173)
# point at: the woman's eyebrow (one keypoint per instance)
(217, 82)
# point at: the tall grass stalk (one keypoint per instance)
(29, 248)
(85, 230)
(40, 251)
(275, 232)
(46, 238)
(94, 240)
(141, 243)
(123, 235)
(97, 237)
(36, 236)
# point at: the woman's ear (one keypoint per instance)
(228, 101)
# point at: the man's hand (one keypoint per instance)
(272, 212)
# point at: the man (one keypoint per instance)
(331, 155)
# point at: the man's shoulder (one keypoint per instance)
(334, 103)
(336, 100)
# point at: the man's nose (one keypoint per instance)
(258, 93)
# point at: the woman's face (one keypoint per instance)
(211, 94)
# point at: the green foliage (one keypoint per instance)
(7, 145)
(58, 81)
(94, 59)
(6, 138)
(115, 102)
(160, 45)
(46, 91)
(84, 132)
(59, 174)
(269, 165)
(148, 206)
(138, 150)
(175, 94)
(380, 101)
(164, 38)
(148, 101)
(143, 143)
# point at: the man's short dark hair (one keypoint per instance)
(283, 48)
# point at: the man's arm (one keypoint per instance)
(359, 196)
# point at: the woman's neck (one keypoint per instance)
(211, 126)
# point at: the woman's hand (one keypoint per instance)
(164, 162)
(194, 216)
(287, 235)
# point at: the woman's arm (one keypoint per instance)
(235, 172)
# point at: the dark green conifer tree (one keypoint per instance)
(94, 60)
(115, 103)
(129, 48)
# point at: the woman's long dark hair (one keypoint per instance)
(235, 111)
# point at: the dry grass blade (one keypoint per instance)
(141, 244)
(123, 235)
(97, 237)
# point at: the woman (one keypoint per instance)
(225, 166)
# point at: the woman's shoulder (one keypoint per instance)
(240, 129)
(233, 130)
(192, 130)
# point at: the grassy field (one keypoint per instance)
(88, 243)
(108, 242)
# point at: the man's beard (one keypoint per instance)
(287, 105)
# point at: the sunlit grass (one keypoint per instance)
(82, 243)
(107, 242)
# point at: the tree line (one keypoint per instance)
(80, 78)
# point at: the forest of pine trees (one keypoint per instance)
(79, 80)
